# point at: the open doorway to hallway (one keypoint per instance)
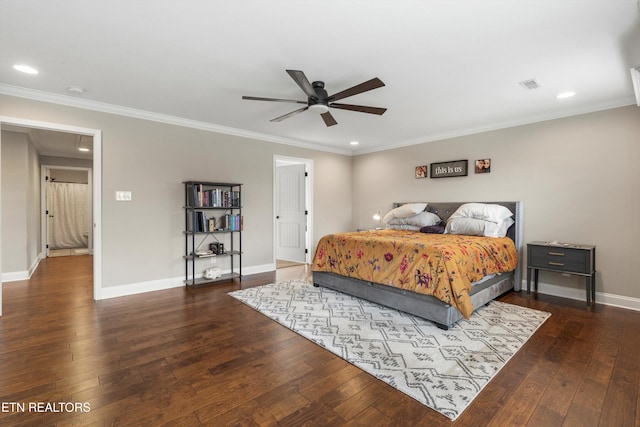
(32, 229)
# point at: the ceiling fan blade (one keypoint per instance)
(328, 119)
(303, 82)
(362, 87)
(286, 116)
(360, 108)
(257, 98)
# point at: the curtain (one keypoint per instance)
(68, 215)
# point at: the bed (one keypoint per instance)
(484, 288)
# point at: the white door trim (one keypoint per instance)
(96, 134)
(277, 159)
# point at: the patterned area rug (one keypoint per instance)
(444, 370)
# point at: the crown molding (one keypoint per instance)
(624, 102)
(102, 107)
(52, 98)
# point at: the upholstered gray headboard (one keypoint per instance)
(445, 209)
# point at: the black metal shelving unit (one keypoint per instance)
(222, 202)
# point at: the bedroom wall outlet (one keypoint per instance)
(123, 196)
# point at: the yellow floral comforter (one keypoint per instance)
(442, 265)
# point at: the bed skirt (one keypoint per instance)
(425, 306)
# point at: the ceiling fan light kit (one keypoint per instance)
(319, 101)
(319, 108)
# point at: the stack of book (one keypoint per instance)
(231, 222)
(200, 223)
(200, 197)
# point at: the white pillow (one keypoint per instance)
(404, 211)
(465, 226)
(487, 212)
(423, 219)
(478, 227)
(498, 229)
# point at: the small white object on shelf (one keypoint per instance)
(212, 273)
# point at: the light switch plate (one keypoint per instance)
(123, 196)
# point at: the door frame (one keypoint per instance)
(278, 159)
(96, 135)
(44, 188)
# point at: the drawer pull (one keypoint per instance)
(556, 253)
(558, 264)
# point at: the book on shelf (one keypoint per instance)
(201, 197)
(231, 222)
(199, 222)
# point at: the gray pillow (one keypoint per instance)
(422, 219)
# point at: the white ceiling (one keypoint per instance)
(55, 143)
(451, 67)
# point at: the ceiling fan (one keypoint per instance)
(319, 101)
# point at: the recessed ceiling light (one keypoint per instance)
(354, 143)
(81, 145)
(25, 69)
(563, 95)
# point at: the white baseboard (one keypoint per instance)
(139, 288)
(581, 295)
(14, 276)
(255, 269)
(131, 288)
(162, 284)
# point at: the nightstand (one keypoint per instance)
(563, 258)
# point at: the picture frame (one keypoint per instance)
(449, 169)
(483, 166)
(421, 171)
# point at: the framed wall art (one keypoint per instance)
(448, 169)
(421, 171)
(483, 166)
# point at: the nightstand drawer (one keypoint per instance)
(559, 258)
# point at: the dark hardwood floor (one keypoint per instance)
(199, 357)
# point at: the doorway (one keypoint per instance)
(293, 186)
(66, 213)
(6, 123)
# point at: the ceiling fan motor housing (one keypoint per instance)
(319, 104)
(322, 95)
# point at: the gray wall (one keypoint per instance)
(14, 202)
(20, 203)
(142, 240)
(69, 175)
(578, 178)
(66, 162)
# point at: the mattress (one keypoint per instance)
(442, 266)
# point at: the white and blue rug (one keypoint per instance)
(444, 370)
